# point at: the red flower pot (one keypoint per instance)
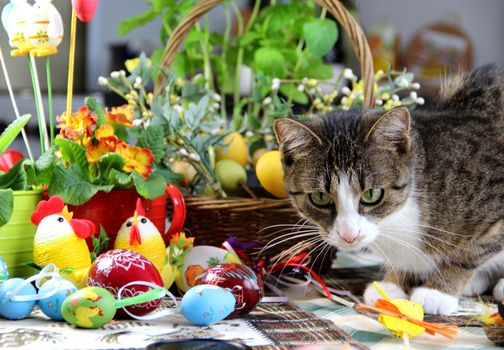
(111, 209)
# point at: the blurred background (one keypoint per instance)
(428, 37)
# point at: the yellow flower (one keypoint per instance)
(131, 64)
(78, 126)
(122, 115)
(94, 153)
(181, 241)
(136, 158)
(105, 130)
(391, 104)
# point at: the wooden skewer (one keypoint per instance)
(71, 63)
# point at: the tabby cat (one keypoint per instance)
(425, 190)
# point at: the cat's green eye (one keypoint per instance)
(372, 196)
(320, 199)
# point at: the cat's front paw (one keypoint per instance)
(435, 302)
(392, 289)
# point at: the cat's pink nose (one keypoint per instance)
(349, 236)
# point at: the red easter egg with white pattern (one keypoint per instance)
(85, 9)
(118, 267)
(246, 286)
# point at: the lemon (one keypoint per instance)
(270, 173)
(186, 170)
(234, 148)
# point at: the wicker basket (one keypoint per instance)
(213, 220)
(495, 333)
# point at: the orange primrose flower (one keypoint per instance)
(78, 126)
(181, 241)
(104, 131)
(122, 115)
(94, 153)
(136, 158)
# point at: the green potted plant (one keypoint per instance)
(104, 159)
(19, 196)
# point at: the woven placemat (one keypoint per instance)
(287, 325)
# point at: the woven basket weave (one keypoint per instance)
(213, 220)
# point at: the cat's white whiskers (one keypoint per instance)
(445, 231)
(292, 229)
(386, 258)
(427, 260)
(289, 236)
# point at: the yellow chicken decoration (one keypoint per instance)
(139, 234)
(61, 240)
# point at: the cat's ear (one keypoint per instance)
(392, 129)
(295, 137)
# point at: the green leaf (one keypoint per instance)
(248, 38)
(108, 162)
(319, 71)
(292, 92)
(96, 108)
(120, 179)
(129, 24)
(159, 5)
(11, 132)
(156, 57)
(15, 179)
(7, 200)
(270, 62)
(73, 153)
(406, 76)
(320, 36)
(153, 187)
(168, 174)
(153, 139)
(44, 166)
(71, 185)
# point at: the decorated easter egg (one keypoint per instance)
(198, 260)
(206, 304)
(15, 310)
(51, 306)
(90, 307)
(4, 273)
(241, 280)
(118, 267)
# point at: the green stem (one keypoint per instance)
(207, 72)
(227, 34)
(239, 60)
(35, 95)
(323, 13)
(49, 98)
(253, 16)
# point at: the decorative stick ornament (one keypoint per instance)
(45, 33)
(6, 12)
(404, 318)
(84, 10)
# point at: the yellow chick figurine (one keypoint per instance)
(45, 28)
(61, 240)
(15, 18)
(139, 234)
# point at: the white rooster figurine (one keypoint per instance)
(45, 28)
(61, 240)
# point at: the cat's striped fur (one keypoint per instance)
(440, 222)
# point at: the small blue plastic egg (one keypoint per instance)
(206, 304)
(15, 310)
(51, 306)
(4, 273)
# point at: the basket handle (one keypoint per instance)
(335, 7)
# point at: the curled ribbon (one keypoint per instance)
(50, 271)
(386, 307)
